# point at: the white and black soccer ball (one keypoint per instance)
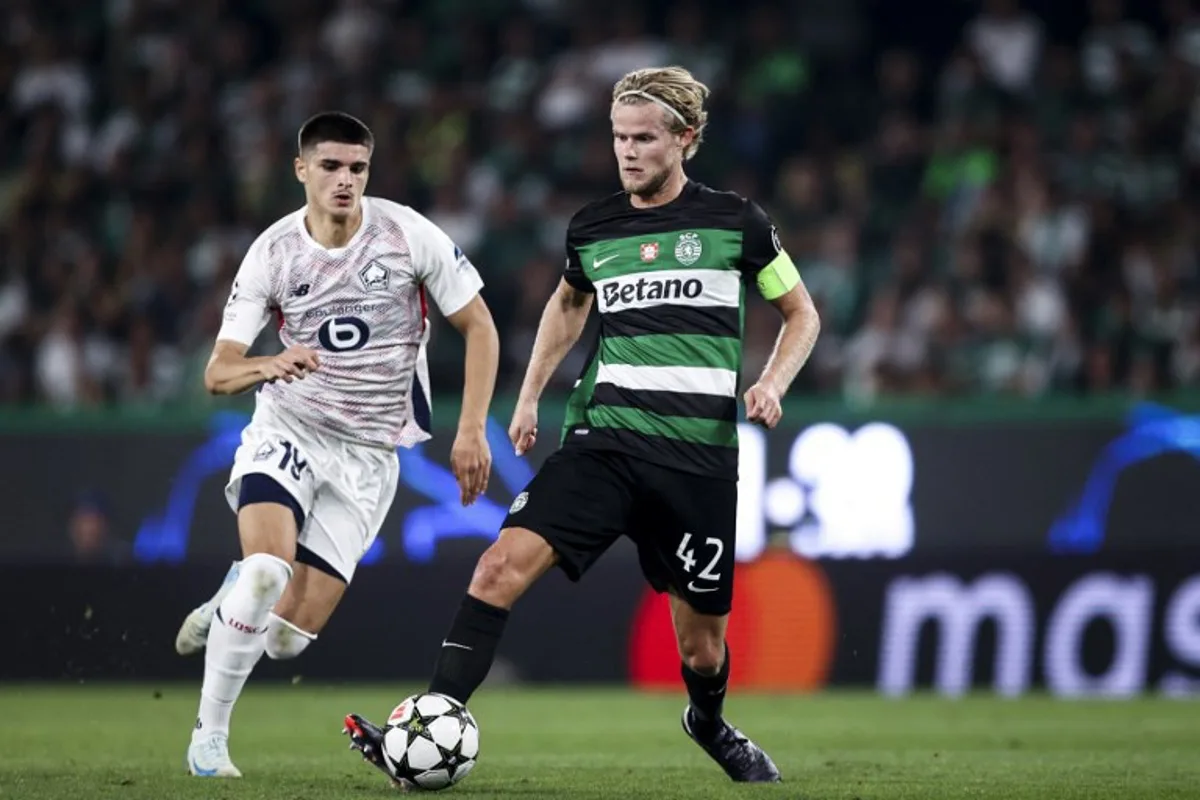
(431, 741)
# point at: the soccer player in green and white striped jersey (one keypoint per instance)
(649, 449)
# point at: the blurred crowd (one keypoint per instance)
(1008, 208)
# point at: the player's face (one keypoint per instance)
(647, 152)
(334, 175)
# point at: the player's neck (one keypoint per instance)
(332, 233)
(671, 189)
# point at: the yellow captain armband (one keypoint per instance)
(778, 278)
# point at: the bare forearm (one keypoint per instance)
(233, 374)
(561, 326)
(479, 380)
(792, 349)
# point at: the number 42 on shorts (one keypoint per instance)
(688, 557)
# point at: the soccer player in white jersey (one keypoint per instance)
(345, 278)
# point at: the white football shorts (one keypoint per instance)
(345, 489)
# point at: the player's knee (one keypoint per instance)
(265, 576)
(498, 578)
(285, 640)
(701, 651)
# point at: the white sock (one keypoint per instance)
(237, 639)
(285, 640)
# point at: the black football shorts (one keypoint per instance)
(582, 500)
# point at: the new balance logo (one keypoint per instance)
(299, 291)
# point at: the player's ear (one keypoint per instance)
(686, 137)
(301, 170)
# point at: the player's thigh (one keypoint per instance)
(580, 502)
(686, 530)
(350, 508)
(271, 487)
(311, 596)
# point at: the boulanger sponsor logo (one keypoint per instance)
(338, 310)
(1053, 640)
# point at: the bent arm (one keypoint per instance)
(229, 371)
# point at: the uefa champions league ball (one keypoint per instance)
(430, 742)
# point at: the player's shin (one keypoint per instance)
(237, 639)
(468, 649)
(706, 693)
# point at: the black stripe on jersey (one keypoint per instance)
(696, 459)
(697, 206)
(674, 404)
(704, 320)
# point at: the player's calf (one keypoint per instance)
(237, 640)
(505, 571)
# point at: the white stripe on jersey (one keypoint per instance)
(362, 307)
(693, 380)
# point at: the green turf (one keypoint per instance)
(88, 742)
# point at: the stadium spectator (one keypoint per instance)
(1005, 202)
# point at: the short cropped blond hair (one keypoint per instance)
(674, 89)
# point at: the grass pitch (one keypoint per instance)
(84, 742)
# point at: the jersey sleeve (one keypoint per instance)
(249, 305)
(573, 270)
(443, 268)
(763, 257)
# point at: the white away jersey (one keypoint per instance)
(362, 308)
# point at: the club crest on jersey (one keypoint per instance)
(374, 277)
(688, 248)
(649, 251)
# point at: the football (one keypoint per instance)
(430, 742)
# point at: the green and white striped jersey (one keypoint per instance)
(662, 381)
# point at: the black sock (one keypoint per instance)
(707, 693)
(468, 649)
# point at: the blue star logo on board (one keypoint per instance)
(1153, 430)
